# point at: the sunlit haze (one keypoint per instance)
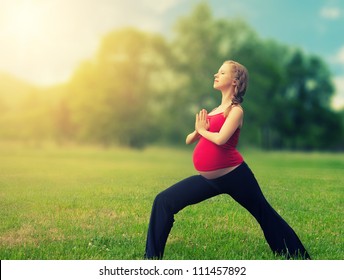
(44, 41)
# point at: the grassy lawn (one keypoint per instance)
(93, 203)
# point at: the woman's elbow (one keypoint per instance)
(188, 140)
(220, 141)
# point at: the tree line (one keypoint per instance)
(142, 88)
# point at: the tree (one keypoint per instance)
(305, 119)
(111, 96)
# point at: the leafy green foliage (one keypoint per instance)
(141, 88)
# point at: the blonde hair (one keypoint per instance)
(241, 76)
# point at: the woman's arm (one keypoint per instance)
(232, 122)
(192, 137)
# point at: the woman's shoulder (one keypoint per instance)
(234, 109)
(237, 107)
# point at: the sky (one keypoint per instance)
(43, 41)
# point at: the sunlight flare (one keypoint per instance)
(25, 22)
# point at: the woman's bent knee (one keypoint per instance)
(163, 201)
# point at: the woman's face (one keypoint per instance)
(224, 77)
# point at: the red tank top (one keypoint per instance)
(208, 156)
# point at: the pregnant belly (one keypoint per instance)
(212, 161)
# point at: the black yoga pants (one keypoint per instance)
(242, 186)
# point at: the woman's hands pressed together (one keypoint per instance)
(202, 122)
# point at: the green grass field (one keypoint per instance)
(92, 203)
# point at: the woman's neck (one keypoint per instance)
(227, 97)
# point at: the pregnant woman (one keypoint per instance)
(222, 170)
